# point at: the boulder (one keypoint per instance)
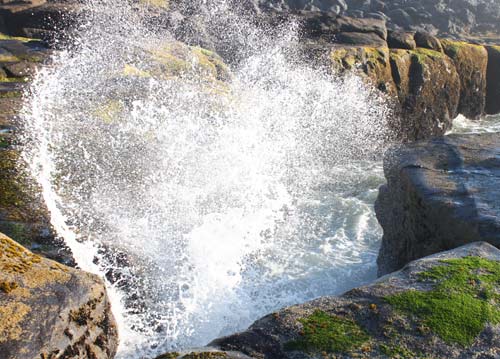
(427, 41)
(440, 194)
(443, 306)
(493, 81)
(331, 27)
(48, 310)
(428, 89)
(471, 62)
(401, 40)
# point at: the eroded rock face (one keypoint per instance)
(471, 62)
(440, 194)
(48, 310)
(433, 308)
(428, 90)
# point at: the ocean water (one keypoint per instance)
(488, 124)
(205, 205)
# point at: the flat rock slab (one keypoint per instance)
(441, 194)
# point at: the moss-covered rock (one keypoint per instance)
(23, 215)
(443, 306)
(370, 62)
(175, 59)
(471, 62)
(428, 90)
(49, 310)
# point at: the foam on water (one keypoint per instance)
(487, 124)
(205, 209)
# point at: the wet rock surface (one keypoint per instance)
(48, 310)
(430, 309)
(23, 214)
(441, 194)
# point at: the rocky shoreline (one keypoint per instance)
(442, 195)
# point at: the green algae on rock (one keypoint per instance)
(463, 301)
(443, 306)
(328, 333)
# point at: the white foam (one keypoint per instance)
(208, 211)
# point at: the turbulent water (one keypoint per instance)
(205, 204)
(488, 124)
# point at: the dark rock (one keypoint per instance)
(493, 81)
(440, 194)
(360, 39)
(471, 62)
(401, 18)
(335, 6)
(427, 41)
(48, 310)
(381, 320)
(328, 26)
(47, 19)
(401, 40)
(348, 24)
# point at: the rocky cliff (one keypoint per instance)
(440, 194)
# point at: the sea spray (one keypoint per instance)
(205, 201)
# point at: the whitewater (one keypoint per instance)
(205, 204)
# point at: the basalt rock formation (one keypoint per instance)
(48, 310)
(430, 81)
(443, 306)
(440, 194)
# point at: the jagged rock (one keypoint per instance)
(427, 41)
(471, 62)
(440, 194)
(493, 81)
(401, 40)
(443, 306)
(428, 89)
(48, 310)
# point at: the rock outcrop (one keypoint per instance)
(443, 306)
(440, 194)
(428, 91)
(460, 18)
(471, 62)
(431, 80)
(48, 310)
(23, 215)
